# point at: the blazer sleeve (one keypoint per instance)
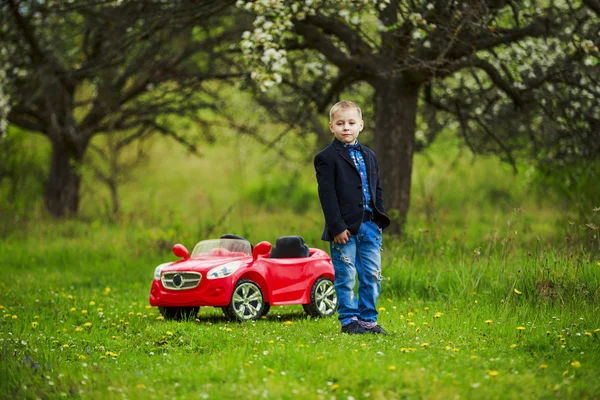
(329, 201)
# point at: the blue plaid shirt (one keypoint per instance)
(359, 162)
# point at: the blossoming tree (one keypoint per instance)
(76, 69)
(508, 75)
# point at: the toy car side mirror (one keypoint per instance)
(180, 251)
(261, 249)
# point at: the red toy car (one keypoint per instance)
(245, 281)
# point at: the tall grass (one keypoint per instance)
(490, 294)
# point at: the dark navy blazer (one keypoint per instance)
(340, 190)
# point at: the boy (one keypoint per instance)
(352, 202)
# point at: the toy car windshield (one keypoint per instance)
(223, 248)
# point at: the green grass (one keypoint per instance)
(491, 294)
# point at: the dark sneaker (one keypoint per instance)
(354, 328)
(377, 330)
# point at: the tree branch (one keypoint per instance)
(343, 32)
(498, 80)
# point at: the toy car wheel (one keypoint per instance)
(230, 316)
(179, 313)
(247, 302)
(323, 299)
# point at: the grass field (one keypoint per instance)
(491, 294)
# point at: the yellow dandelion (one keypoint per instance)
(565, 372)
(270, 370)
(520, 328)
(98, 309)
(448, 347)
(488, 321)
(547, 333)
(513, 346)
(228, 330)
(1, 307)
(36, 317)
(72, 309)
(517, 291)
(437, 315)
(411, 323)
(84, 311)
(34, 324)
(410, 314)
(288, 323)
(65, 345)
(588, 333)
(106, 290)
(473, 357)
(78, 329)
(92, 303)
(492, 372)
(597, 330)
(14, 317)
(575, 364)
(102, 357)
(425, 345)
(392, 368)
(130, 313)
(426, 309)
(169, 333)
(87, 324)
(6, 315)
(543, 366)
(82, 357)
(140, 386)
(381, 309)
(70, 297)
(139, 314)
(425, 323)
(160, 318)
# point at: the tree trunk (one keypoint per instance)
(396, 103)
(64, 180)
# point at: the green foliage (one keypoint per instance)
(283, 191)
(22, 174)
(574, 184)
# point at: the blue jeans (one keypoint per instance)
(362, 256)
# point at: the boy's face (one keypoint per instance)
(346, 124)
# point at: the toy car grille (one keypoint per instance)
(180, 280)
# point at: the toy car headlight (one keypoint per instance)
(159, 269)
(223, 270)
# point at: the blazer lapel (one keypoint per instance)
(344, 153)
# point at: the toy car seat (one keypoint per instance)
(232, 236)
(290, 247)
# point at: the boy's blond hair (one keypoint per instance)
(343, 105)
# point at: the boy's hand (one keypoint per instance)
(342, 238)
